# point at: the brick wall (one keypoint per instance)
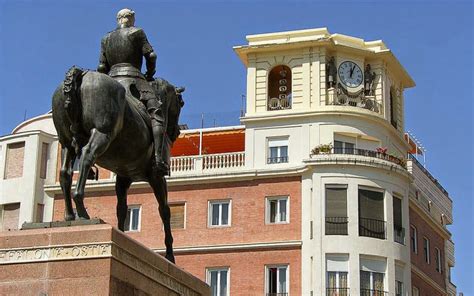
(15, 160)
(248, 212)
(418, 260)
(247, 269)
(424, 288)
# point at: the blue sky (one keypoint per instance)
(40, 40)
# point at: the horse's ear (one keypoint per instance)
(180, 89)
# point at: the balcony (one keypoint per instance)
(364, 152)
(399, 234)
(341, 97)
(281, 159)
(337, 292)
(199, 164)
(368, 292)
(277, 294)
(450, 252)
(336, 226)
(372, 228)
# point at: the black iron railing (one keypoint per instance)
(336, 225)
(281, 159)
(399, 234)
(368, 292)
(277, 294)
(337, 292)
(364, 152)
(372, 228)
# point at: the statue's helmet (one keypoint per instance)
(126, 16)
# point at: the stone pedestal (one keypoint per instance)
(92, 259)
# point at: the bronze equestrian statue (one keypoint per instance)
(120, 119)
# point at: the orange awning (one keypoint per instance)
(212, 142)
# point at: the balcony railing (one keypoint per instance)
(372, 228)
(424, 170)
(399, 234)
(197, 164)
(337, 292)
(277, 294)
(282, 159)
(368, 153)
(336, 225)
(368, 292)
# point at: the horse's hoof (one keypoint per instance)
(68, 217)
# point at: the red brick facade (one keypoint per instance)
(424, 229)
(248, 226)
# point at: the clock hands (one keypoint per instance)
(352, 71)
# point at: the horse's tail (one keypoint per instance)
(72, 104)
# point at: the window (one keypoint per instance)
(279, 88)
(398, 288)
(337, 268)
(39, 213)
(398, 230)
(132, 222)
(178, 213)
(438, 260)
(14, 160)
(277, 210)
(371, 213)
(415, 291)
(10, 216)
(218, 279)
(398, 280)
(219, 213)
(277, 150)
(414, 239)
(343, 147)
(44, 160)
(277, 280)
(426, 249)
(372, 277)
(393, 109)
(336, 210)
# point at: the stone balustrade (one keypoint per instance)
(197, 164)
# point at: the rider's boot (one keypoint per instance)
(160, 165)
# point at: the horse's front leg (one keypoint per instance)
(122, 184)
(65, 179)
(158, 183)
(98, 143)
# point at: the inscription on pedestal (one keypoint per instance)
(51, 253)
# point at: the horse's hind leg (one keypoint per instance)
(65, 179)
(121, 187)
(98, 143)
(158, 183)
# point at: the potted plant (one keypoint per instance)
(322, 149)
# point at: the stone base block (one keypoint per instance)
(92, 259)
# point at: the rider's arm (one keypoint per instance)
(149, 54)
(103, 63)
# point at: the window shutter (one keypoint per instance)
(44, 160)
(371, 204)
(336, 202)
(11, 216)
(177, 216)
(15, 159)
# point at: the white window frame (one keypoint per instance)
(402, 287)
(371, 279)
(269, 145)
(438, 258)
(427, 252)
(131, 207)
(268, 199)
(415, 232)
(415, 291)
(219, 269)
(278, 266)
(209, 210)
(338, 286)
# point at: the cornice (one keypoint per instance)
(443, 232)
(427, 279)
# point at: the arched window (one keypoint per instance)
(279, 88)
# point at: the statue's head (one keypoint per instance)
(126, 18)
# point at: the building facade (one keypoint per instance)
(314, 194)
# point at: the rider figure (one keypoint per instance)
(121, 57)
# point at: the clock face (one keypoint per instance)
(350, 74)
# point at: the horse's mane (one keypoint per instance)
(160, 85)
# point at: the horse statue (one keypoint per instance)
(99, 120)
